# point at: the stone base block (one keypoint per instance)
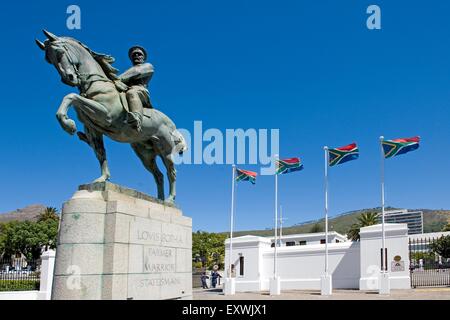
(118, 243)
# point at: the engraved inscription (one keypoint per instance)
(158, 252)
(144, 235)
(144, 283)
(159, 259)
(149, 232)
(159, 267)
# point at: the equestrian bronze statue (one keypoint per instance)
(102, 105)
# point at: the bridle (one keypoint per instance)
(85, 79)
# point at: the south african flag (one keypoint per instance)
(288, 165)
(395, 147)
(244, 175)
(343, 154)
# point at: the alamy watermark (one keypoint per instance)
(73, 281)
(374, 20)
(233, 146)
(74, 19)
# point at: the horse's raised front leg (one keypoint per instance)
(67, 124)
(148, 159)
(91, 108)
(95, 139)
(172, 175)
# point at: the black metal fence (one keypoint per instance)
(427, 267)
(19, 274)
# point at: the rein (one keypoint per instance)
(85, 78)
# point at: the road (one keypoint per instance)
(412, 294)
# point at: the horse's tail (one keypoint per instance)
(180, 145)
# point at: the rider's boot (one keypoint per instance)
(135, 120)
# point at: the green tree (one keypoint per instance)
(48, 222)
(364, 220)
(209, 247)
(441, 247)
(317, 227)
(368, 219)
(353, 233)
(49, 213)
(28, 238)
(2, 239)
(425, 256)
(446, 228)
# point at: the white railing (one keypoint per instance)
(46, 279)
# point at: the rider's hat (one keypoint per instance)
(137, 47)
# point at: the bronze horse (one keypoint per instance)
(101, 109)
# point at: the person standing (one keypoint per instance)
(203, 278)
(214, 276)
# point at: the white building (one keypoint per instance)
(414, 219)
(309, 239)
(421, 242)
(431, 235)
(353, 265)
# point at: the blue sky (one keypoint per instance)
(309, 68)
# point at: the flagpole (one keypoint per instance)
(231, 220)
(281, 223)
(275, 282)
(383, 236)
(276, 223)
(326, 209)
(384, 286)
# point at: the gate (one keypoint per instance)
(19, 274)
(429, 262)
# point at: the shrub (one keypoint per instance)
(441, 246)
(19, 285)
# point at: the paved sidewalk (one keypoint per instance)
(412, 294)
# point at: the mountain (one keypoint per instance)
(433, 221)
(30, 212)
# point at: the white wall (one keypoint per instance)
(353, 265)
(301, 267)
(252, 249)
(19, 295)
(396, 244)
(46, 281)
(312, 238)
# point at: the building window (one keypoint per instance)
(322, 241)
(241, 266)
(302, 243)
(290, 243)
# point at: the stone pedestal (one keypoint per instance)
(118, 243)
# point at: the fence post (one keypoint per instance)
(47, 267)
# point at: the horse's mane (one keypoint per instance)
(104, 60)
